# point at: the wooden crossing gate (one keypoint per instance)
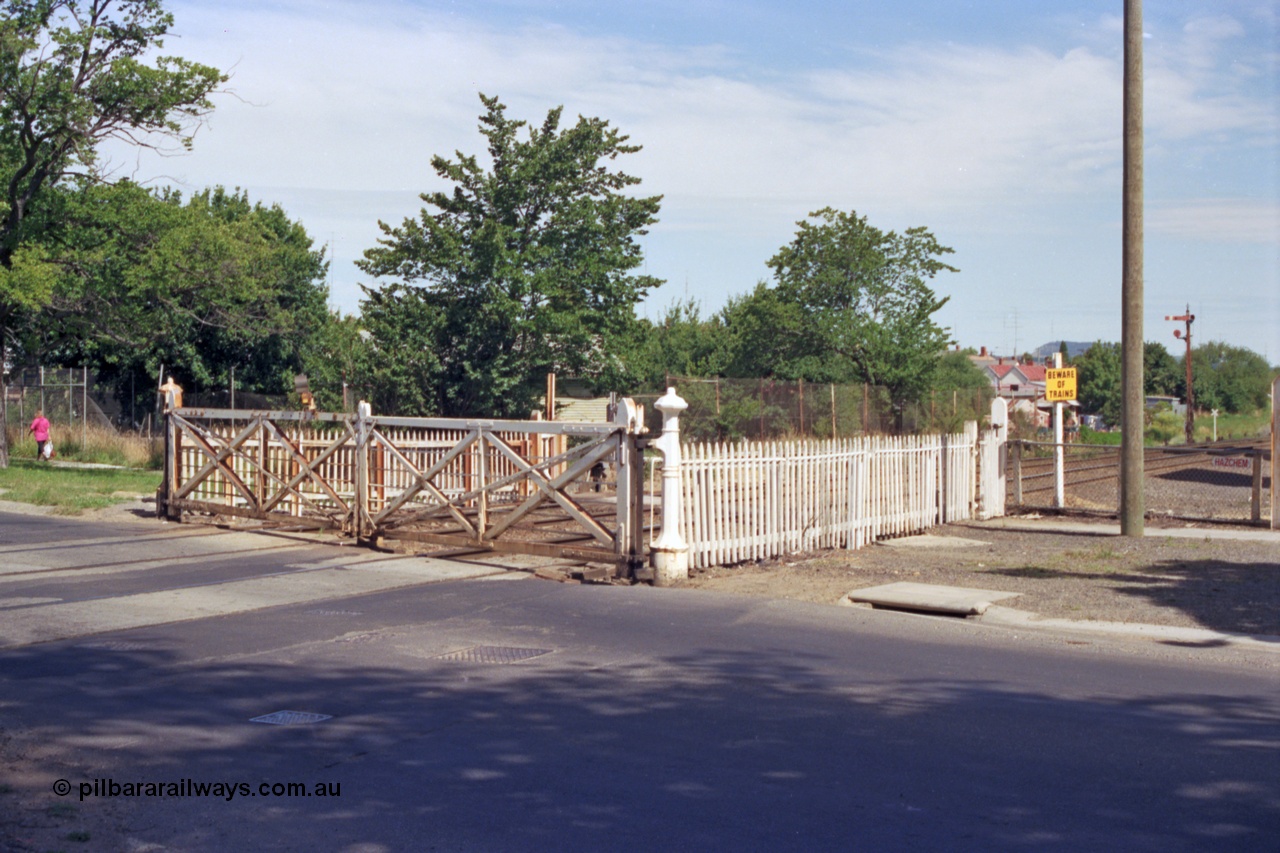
(530, 487)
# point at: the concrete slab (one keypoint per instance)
(931, 598)
(927, 540)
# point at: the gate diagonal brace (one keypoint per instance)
(283, 488)
(205, 441)
(424, 480)
(307, 469)
(203, 437)
(508, 480)
(552, 489)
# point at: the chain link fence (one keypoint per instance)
(734, 409)
(1228, 481)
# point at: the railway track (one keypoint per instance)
(1103, 464)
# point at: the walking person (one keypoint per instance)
(40, 430)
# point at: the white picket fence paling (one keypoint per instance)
(754, 500)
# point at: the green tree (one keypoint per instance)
(201, 286)
(681, 343)
(1229, 378)
(74, 73)
(1160, 371)
(957, 372)
(770, 336)
(1098, 382)
(526, 266)
(868, 307)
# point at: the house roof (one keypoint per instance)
(1022, 372)
(1033, 372)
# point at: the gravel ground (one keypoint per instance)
(1221, 584)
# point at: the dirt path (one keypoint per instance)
(1205, 581)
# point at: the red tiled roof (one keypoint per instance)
(1000, 370)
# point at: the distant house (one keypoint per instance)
(1016, 381)
(1175, 404)
(1021, 383)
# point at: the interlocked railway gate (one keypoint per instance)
(487, 485)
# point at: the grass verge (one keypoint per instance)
(71, 491)
(94, 444)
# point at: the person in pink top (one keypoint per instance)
(40, 429)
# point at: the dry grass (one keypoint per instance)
(94, 444)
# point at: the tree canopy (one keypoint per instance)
(1229, 378)
(74, 73)
(861, 298)
(526, 266)
(210, 283)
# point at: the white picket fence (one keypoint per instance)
(755, 500)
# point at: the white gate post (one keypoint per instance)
(1275, 454)
(998, 488)
(669, 553)
(361, 528)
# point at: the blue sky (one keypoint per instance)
(995, 124)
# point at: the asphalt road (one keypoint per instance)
(622, 718)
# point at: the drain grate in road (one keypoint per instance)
(334, 612)
(493, 654)
(291, 718)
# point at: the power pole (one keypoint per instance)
(1188, 318)
(1132, 506)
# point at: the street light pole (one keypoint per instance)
(1188, 318)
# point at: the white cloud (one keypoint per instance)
(1218, 220)
(341, 99)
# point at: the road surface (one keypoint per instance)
(497, 712)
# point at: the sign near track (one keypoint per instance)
(1060, 384)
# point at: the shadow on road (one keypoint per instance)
(712, 749)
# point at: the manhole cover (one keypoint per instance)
(493, 654)
(291, 718)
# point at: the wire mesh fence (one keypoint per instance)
(733, 409)
(1209, 482)
(76, 397)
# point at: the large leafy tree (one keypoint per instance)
(1229, 378)
(203, 285)
(1099, 377)
(868, 309)
(680, 343)
(527, 265)
(73, 74)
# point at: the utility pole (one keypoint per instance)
(1132, 506)
(1188, 318)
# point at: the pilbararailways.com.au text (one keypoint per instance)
(191, 788)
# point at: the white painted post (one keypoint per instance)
(669, 553)
(361, 528)
(993, 477)
(1275, 454)
(1059, 491)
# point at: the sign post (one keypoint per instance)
(1059, 386)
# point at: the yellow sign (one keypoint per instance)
(1060, 384)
